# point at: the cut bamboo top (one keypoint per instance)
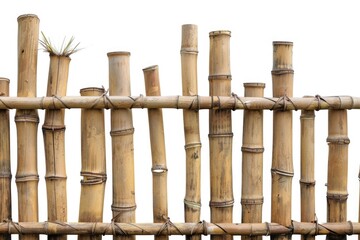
(21, 17)
(118, 53)
(282, 56)
(220, 32)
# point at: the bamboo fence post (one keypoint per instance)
(189, 52)
(122, 135)
(220, 132)
(27, 121)
(252, 161)
(93, 162)
(158, 153)
(337, 193)
(54, 143)
(282, 170)
(5, 164)
(307, 178)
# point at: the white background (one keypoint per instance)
(325, 58)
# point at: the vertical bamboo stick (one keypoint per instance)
(54, 143)
(122, 135)
(307, 179)
(189, 52)
(158, 154)
(27, 177)
(252, 161)
(337, 193)
(282, 162)
(93, 163)
(220, 132)
(5, 164)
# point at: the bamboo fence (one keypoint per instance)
(220, 103)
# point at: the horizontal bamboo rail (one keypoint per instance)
(233, 102)
(169, 228)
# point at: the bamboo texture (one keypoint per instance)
(220, 132)
(233, 102)
(252, 161)
(122, 134)
(161, 229)
(5, 163)
(189, 52)
(158, 152)
(27, 121)
(337, 193)
(307, 178)
(282, 163)
(93, 163)
(54, 143)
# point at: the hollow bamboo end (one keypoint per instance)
(91, 91)
(118, 53)
(151, 68)
(220, 32)
(25, 16)
(254, 85)
(275, 43)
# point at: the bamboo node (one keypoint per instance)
(253, 149)
(307, 183)
(27, 178)
(91, 178)
(338, 140)
(192, 204)
(115, 208)
(282, 71)
(339, 197)
(216, 135)
(282, 172)
(5, 175)
(224, 204)
(192, 145)
(122, 132)
(54, 128)
(220, 77)
(158, 169)
(252, 201)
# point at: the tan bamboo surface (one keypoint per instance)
(220, 132)
(93, 163)
(189, 52)
(252, 161)
(157, 229)
(282, 170)
(5, 163)
(158, 152)
(307, 168)
(337, 193)
(233, 102)
(54, 143)
(27, 121)
(122, 135)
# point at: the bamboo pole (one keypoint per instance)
(93, 163)
(252, 161)
(192, 200)
(233, 102)
(220, 132)
(5, 164)
(54, 143)
(337, 193)
(282, 164)
(307, 178)
(27, 177)
(203, 228)
(158, 153)
(122, 134)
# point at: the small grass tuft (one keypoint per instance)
(66, 49)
